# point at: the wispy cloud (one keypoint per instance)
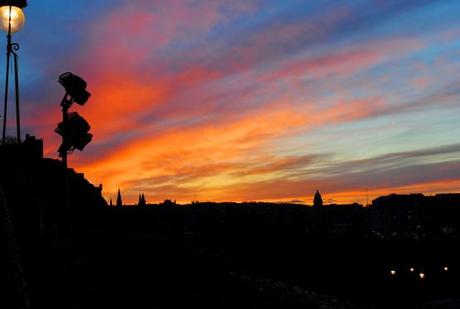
(205, 97)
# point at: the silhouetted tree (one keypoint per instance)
(119, 200)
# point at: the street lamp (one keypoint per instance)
(12, 20)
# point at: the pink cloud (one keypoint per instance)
(213, 113)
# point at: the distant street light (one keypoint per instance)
(412, 269)
(421, 275)
(446, 268)
(12, 20)
(393, 272)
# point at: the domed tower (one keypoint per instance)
(317, 200)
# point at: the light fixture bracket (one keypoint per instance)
(18, 3)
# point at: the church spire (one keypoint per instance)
(317, 200)
(119, 201)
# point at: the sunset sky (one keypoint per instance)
(251, 100)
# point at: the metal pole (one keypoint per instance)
(65, 116)
(16, 82)
(5, 109)
(9, 48)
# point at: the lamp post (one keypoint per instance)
(12, 20)
(74, 129)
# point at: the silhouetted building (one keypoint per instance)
(397, 212)
(35, 189)
(394, 212)
(29, 150)
(119, 200)
(317, 200)
(141, 201)
(168, 203)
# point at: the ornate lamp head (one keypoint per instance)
(11, 15)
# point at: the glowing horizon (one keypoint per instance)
(252, 100)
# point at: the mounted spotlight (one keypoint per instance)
(75, 86)
(74, 129)
(75, 133)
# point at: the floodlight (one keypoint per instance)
(75, 133)
(75, 86)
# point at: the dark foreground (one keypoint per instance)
(122, 270)
(89, 255)
(154, 258)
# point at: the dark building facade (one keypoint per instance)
(36, 189)
(414, 211)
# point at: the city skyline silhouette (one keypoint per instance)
(398, 252)
(230, 154)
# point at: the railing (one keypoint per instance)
(19, 298)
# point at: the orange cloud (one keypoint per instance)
(181, 113)
(214, 154)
